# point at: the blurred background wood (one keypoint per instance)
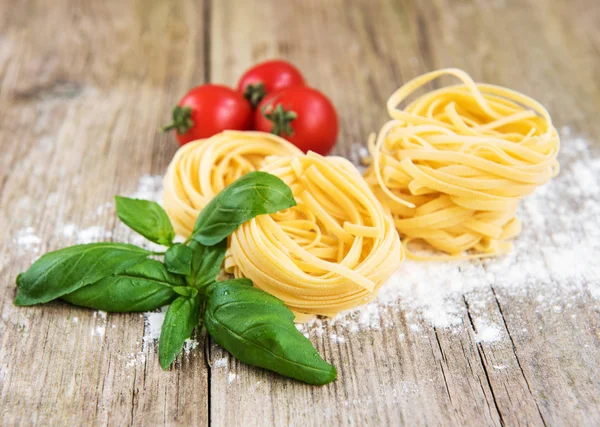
(83, 87)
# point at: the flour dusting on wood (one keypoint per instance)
(486, 332)
(26, 240)
(434, 293)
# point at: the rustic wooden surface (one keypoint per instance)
(83, 87)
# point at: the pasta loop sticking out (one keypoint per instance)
(329, 253)
(201, 169)
(454, 163)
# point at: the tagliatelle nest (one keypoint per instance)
(329, 253)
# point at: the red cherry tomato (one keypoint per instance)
(207, 110)
(302, 115)
(268, 77)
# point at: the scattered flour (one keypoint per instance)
(149, 188)
(335, 338)
(68, 230)
(555, 258)
(415, 328)
(221, 363)
(98, 330)
(26, 240)
(135, 359)
(487, 333)
(152, 323)
(92, 234)
(190, 345)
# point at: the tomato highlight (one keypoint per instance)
(302, 115)
(268, 77)
(207, 110)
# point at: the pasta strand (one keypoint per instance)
(454, 163)
(330, 252)
(201, 169)
(317, 258)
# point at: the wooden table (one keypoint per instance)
(84, 86)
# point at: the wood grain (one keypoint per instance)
(440, 376)
(83, 87)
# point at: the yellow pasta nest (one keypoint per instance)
(329, 253)
(201, 169)
(453, 164)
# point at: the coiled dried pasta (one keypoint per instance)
(329, 253)
(453, 164)
(201, 169)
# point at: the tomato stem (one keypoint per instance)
(282, 119)
(254, 93)
(182, 120)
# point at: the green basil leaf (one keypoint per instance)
(178, 259)
(181, 319)
(144, 287)
(147, 218)
(186, 291)
(255, 193)
(258, 329)
(61, 272)
(206, 263)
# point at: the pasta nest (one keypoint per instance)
(331, 251)
(454, 163)
(201, 169)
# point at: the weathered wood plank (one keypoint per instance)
(555, 346)
(455, 379)
(430, 377)
(82, 90)
(83, 87)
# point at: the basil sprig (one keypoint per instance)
(60, 272)
(142, 287)
(182, 317)
(178, 259)
(255, 193)
(147, 218)
(259, 329)
(206, 263)
(254, 326)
